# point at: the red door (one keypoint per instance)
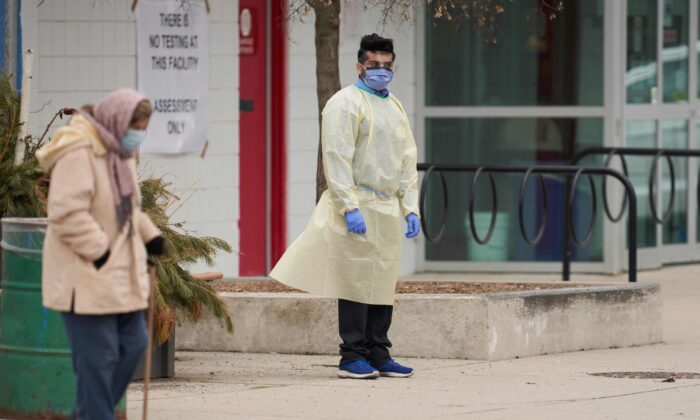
(262, 135)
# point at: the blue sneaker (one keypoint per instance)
(359, 369)
(392, 369)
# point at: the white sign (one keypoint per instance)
(173, 72)
(246, 42)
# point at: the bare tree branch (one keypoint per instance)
(47, 103)
(59, 114)
(298, 10)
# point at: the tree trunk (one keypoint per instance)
(327, 34)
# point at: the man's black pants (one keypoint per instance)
(364, 330)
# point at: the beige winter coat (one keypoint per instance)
(83, 226)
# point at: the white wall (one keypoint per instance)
(86, 48)
(303, 114)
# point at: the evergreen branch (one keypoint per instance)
(178, 291)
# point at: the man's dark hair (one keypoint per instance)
(375, 43)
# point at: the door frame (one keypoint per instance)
(263, 170)
(277, 129)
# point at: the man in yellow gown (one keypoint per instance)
(351, 248)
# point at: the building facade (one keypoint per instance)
(602, 73)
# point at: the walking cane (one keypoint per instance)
(149, 349)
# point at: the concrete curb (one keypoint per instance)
(483, 327)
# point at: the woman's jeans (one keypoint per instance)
(106, 351)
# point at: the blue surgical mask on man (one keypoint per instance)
(132, 139)
(378, 79)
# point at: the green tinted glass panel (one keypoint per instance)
(641, 75)
(674, 135)
(535, 60)
(642, 133)
(511, 141)
(676, 19)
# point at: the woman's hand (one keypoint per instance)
(156, 246)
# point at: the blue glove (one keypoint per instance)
(355, 222)
(413, 226)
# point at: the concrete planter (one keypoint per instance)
(484, 327)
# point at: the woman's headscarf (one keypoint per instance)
(112, 116)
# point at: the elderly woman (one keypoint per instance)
(95, 261)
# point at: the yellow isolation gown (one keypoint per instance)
(369, 157)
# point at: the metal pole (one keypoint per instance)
(152, 279)
(631, 231)
(567, 245)
(11, 39)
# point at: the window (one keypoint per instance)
(536, 61)
(642, 133)
(675, 53)
(513, 141)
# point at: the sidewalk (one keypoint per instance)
(256, 386)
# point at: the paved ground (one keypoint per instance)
(255, 386)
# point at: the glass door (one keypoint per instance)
(660, 111)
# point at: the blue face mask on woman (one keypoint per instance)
(378, 79)
(132, 139)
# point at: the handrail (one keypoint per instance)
(539, 170)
